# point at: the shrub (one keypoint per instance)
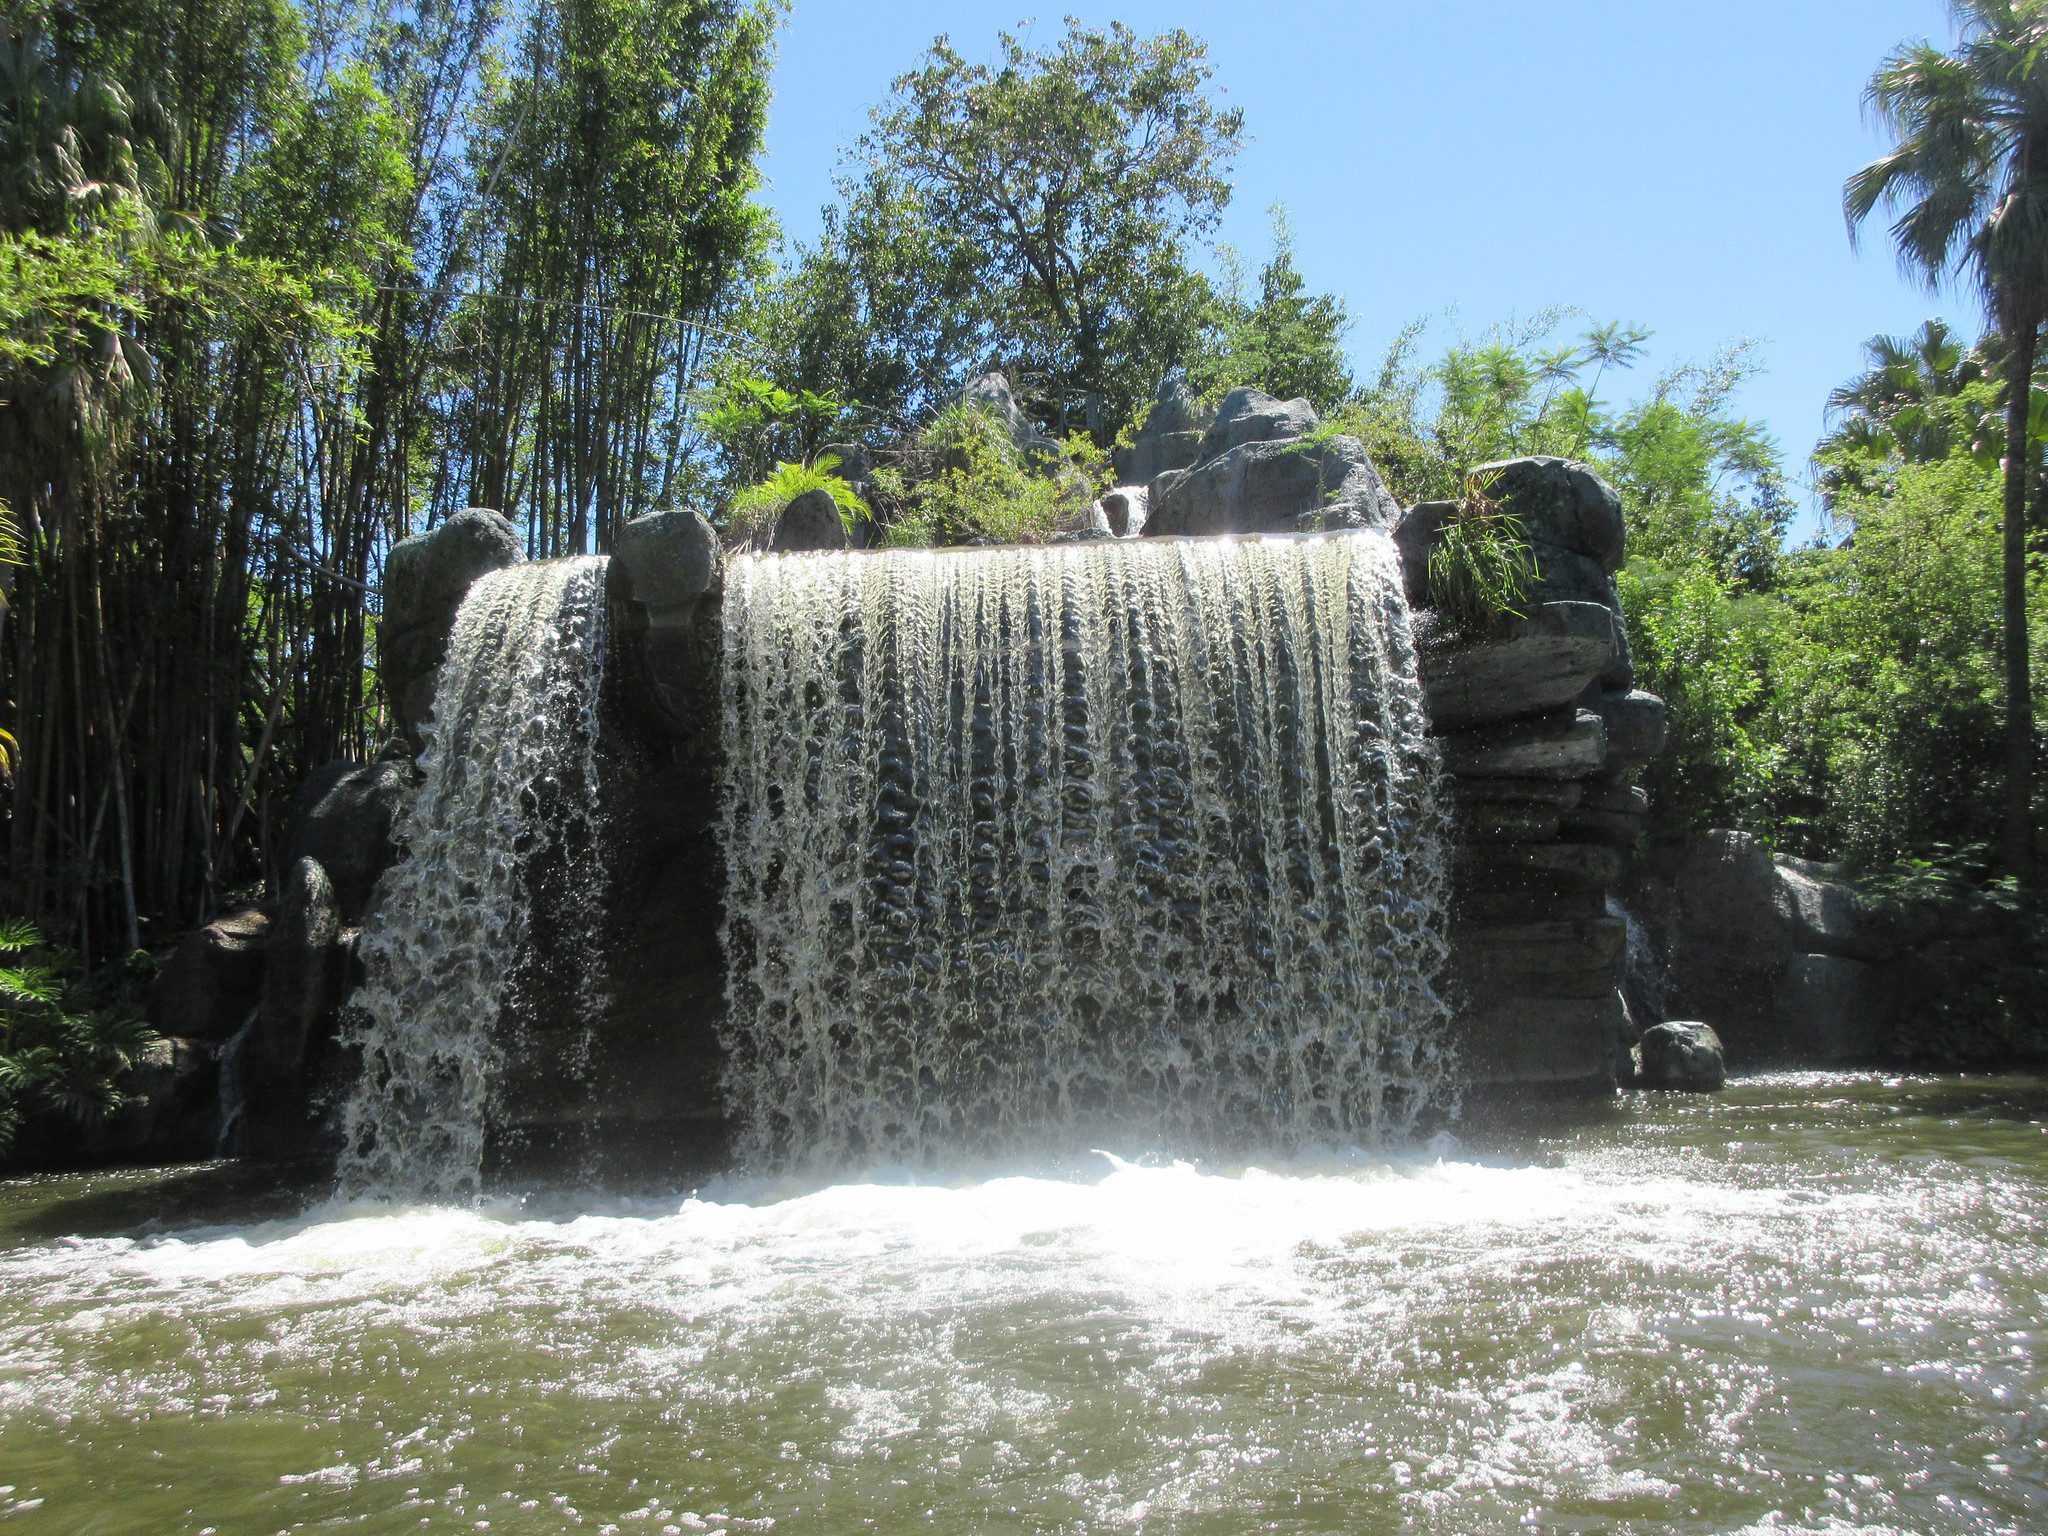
(52, 1059)
(963, 478)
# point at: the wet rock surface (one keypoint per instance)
(342, 822)
(1682, 1054)
(425, 579)
(210, 983)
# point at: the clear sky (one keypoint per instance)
(1674, 163)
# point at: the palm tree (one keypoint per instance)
(1967, 181)
(1885, 411)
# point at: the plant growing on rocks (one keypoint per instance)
(750, 516)
(963, 479)
(1481, 566)
(52, 1059)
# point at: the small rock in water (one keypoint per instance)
(1682, 1054)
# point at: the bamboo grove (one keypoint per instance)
(279, 285)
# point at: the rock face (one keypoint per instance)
(425, 580)
(1684, 1055)
(171, 1113)
(992, 393)
(1171, 437)
(662, 586)
(1542, 736)
(1259, 470)
(342, 822)
(1772, 950)
(209, 985)
(291, 1039)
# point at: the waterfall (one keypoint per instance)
(509, 769)
(1071, 845)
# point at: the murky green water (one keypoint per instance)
(1814, 1303)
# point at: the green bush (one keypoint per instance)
(962, 478)
(1705, 648)
(52, 1059)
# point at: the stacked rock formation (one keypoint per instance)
(1265, 466)
(1543, 734)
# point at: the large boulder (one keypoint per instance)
(1568, 744)
(1562, 504)
(809, 523)
(992, 393)
(1635, 723)
(425, 579)
(209, 985)
(342, 821)
(170, 1106)
(1683, 1055)
(1773, 951)
(1270, 486)
(663, 585)
(301, 981)
(1253, 416)
(1513, 1038)
(1171, 437)
(1520, 666)
(1175, 408)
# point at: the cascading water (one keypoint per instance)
(509, 768)
(1037, 846)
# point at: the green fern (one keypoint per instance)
(750, 516)
(55, 1058)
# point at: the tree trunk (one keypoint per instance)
(2019, 693)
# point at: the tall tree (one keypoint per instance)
(1286, 340)
(1967, 179)
(620, 213)
(1071, 180)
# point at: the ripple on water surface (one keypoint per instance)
(1814, 1303)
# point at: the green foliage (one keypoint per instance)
(1287, 341)
(1052, 194)
(1704, 648)
(753, 421)
(279, 286)
(616, 221)
(1890, 699)
(55, 1059)
(1967, 180)
(964, 480)
(1692, 475)
(750, 516)
(1482, 566)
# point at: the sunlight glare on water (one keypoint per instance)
(1814, 1304)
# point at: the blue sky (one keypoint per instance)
(1674, 163)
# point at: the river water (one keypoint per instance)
(1812, 1303)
